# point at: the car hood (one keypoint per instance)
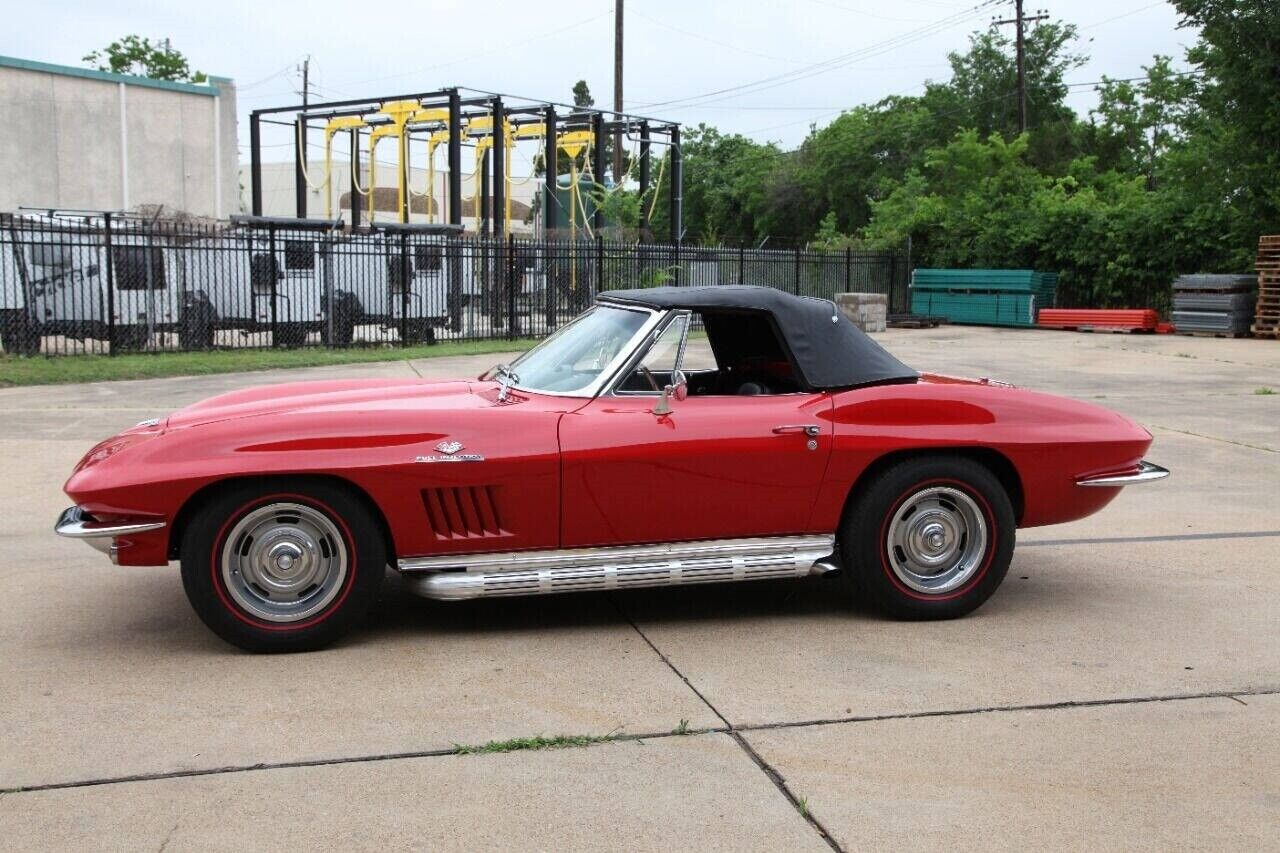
(353, 396)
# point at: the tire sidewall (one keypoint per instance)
(201, 556)
(865, 533)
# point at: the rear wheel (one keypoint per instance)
(129, 338)
(291, 335)
(929, 538)
(19, 335)
(198, 327)
(283, 571)
(420, 332)
(340, 330)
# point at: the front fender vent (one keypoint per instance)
(463, 512)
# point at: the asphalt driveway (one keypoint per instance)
(1119, 692)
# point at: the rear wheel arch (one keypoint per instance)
(993, 460)
(274, 482)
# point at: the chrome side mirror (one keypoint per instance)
(679, 389)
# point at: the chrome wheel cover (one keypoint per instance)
(936, 540)
(284, 562)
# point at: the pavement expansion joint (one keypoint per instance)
(732, 731)
(1216, 438)
(1172, 537)
(670, 665)
(772, 774)
(1003, 709)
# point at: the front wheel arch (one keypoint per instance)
(993, 460)
(203, 496)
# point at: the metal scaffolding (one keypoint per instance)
(491, 123)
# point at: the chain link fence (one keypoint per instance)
(109, 283)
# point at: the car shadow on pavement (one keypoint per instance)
(400, 610)
(152, 611)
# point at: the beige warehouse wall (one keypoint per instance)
(65, 130)
(278, 199)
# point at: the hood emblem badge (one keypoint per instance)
(449, 453)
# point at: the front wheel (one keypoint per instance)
(929, 538)
(283, 570)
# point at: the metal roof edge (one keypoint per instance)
(110, 77)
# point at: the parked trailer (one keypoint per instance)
(262, 275)
(59, 277)
(408, 278)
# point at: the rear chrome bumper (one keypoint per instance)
(75, 523)
(1147, 472)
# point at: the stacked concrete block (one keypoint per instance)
(868, 311)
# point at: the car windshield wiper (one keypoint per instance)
(506, 378)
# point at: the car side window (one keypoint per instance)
(662, 360)
(749, 355)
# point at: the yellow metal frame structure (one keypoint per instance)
(333, 127)
(406, 116)
(402, 114)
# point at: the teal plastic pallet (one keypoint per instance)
(983, 297)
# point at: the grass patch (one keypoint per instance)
(52, 370)
(516, 744)
(682, 729)
(1264, 391)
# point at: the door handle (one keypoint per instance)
(811, 430)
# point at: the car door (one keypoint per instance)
(714, 467)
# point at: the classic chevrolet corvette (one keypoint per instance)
(781, 442)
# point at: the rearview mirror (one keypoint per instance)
(679, 389)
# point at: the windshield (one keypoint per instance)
(575, 357)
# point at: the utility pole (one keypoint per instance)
(300, 148)
(1019, 20)
(617, 90)
(306, 89)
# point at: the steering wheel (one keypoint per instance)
(648, 374)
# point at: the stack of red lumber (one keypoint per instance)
(1132, 319)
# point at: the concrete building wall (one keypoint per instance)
(76, 138)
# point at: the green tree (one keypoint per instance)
(857, 159)
(1234, 137)
(726, 184)
(982, 93)
(137, 55)
(1137, 122)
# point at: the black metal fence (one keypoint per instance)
(109, 284)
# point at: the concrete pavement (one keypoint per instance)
(1086, 705)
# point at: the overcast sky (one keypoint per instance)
(676, 50)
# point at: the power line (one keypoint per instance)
(865, 14)
(982, 103)
(828, 65)
(1124, 14)
(498, 49)
(709, 40)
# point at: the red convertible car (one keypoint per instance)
(666, 436)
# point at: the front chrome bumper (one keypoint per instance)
(1147, 472)
(75, 523)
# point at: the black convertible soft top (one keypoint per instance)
(829, 351)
